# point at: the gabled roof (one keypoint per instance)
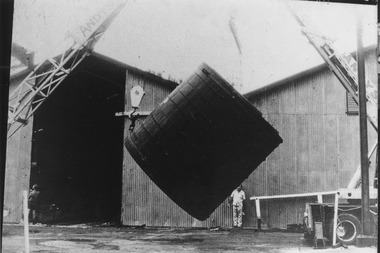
(135, 70)
(285, 81)
(20, 67)
(288, 80)
(173, 84)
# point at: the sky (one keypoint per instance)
(174, 37)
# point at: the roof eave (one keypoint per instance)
(296, 76)
(149, 75)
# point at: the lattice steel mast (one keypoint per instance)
(46, 77)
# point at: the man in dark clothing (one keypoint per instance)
(33, 203)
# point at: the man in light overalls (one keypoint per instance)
(238, 196)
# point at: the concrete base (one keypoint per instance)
(366, 240)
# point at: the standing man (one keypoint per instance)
(238, 196)
(33, 202)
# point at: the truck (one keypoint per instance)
(348, 218)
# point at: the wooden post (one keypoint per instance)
(320, 198)
(356, 179)
(26, 221)
(364, 162)
(258, 213)
(335, 218)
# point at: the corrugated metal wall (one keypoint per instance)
(320, 152)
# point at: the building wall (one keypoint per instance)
(105, 78)
(17, 168)
(320, 151)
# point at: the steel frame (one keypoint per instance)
(46, 77)
(39, 85)
(319, 196)
(344, 66)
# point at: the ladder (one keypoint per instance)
(345, 68)
(46, 76)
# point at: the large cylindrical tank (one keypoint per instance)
(201, 142)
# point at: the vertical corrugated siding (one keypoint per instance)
(320, 152)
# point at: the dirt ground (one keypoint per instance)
(102, 238)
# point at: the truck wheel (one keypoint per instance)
(347, 229)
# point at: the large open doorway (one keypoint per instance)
(77, 149)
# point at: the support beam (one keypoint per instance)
(135, 113)
(26, 220)
(258, 213)
(366, 218)
(296, 195)
(356, 179)
(26, 99)
(335, 217)
(319, 196)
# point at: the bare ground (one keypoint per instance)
(91, 238)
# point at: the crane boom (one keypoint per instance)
(46, 76)
(344, 66)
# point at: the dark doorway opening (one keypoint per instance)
(77, 150)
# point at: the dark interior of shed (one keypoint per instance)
(77, 149)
